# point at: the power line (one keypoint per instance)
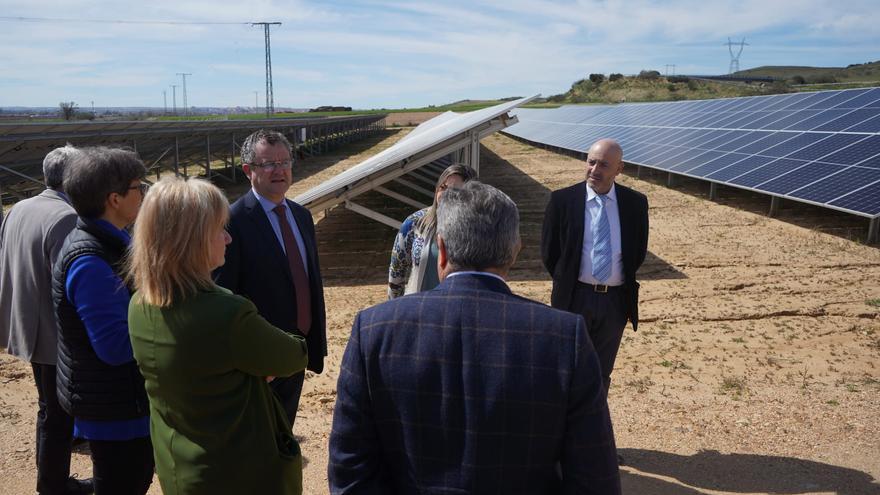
(118, 21)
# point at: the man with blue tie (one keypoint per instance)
(594, 239)
(468, 388)
(273, 257)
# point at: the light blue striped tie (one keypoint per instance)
(601, 242)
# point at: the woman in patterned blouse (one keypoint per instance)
(414, 255)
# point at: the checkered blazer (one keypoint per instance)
(468, 388)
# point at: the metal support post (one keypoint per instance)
(873, 230)
(774, 205)
(176, 157)
(208, 149)
(670, 180)
(232, 157)
(713, 191)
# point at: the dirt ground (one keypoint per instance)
(754, 370)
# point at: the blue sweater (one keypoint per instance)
(101, 300)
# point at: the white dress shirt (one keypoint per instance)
(591, 211)
(268, 207)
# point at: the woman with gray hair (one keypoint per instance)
(414, 255)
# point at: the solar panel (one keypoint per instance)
(822, 148)
(448, 133)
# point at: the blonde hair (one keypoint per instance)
(170, 257)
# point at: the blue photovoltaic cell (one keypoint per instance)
(870, 125)
(865, 99)
(838, 99)
(743, 140)
(799, 178)
(865, 200)
(838, 185)
(683, 137)
(752, 162)
(797, 142)
(767, 121)
(873, 162)
(849, 119)
(825, 146)
(791, 120)
(816, 120)
(779, 102)
(768, 172)
(695, 159)
(855, 153)
(811, 100)
(717, 164)
(768, 142)
(821, 147)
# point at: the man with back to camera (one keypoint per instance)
(594, 239)
(468, 388)
(273, 257)
(30, 240)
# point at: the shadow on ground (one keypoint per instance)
(738, 473)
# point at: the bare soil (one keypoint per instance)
(754, 369)
(408, 119)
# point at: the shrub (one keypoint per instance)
(597, 78)
(649, 74)
(615, 77)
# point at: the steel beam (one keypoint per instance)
(400, 197)
(375, 215)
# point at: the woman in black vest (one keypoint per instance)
(98, 380)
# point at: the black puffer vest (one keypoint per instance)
(89, 388)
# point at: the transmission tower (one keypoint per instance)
(734, 59)
(174, 98)
(183, 76)
(270, 100)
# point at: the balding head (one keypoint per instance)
(604, 162)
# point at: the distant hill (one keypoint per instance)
(867, 72)
(649, 85)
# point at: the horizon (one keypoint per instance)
(378, 54)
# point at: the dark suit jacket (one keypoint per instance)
(468, 388)
(562, 241)
(256, 267)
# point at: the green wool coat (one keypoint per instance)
(216, 426)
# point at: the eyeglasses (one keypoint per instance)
(143, 187)
(271, 166)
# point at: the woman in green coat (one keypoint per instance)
(207, 354)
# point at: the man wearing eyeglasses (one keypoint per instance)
(273, 257)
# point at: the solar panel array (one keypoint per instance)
(821, 148)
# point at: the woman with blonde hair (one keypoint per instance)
(205, 354)
(414, 255)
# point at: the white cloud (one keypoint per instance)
(385, 53)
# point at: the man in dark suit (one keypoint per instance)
(468, 388)
(594, 239)
(273, 257)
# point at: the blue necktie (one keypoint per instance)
(601, 242)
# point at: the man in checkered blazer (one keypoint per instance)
(468, 388)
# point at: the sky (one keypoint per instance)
(382, 54)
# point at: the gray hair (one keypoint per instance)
(55, 163)
(479, 226)
(249, 146)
